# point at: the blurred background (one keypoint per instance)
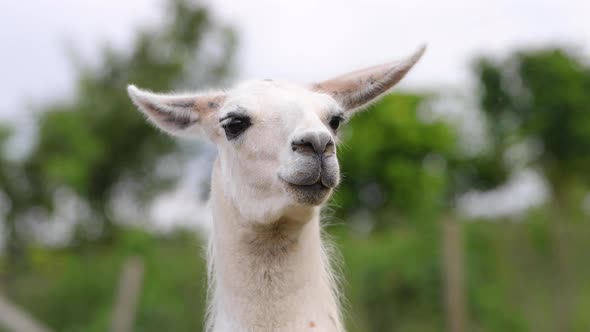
(465, 204)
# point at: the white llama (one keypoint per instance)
(276, 166)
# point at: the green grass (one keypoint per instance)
(514, 279)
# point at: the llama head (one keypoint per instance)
(276, 141)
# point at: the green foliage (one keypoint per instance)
(393, 281)
(93, 142)
(541, 94)
(517, 277)
(97, 140)
(74, 291)
(393, 162)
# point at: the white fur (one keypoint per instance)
(268, 267)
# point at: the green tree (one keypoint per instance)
(394, 162)
(96, 141)
(541, 95)
(539, 99)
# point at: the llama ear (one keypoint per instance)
(359, 88)
(178, 115)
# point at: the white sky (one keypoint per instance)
(294, 40)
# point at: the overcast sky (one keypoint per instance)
(295, 40)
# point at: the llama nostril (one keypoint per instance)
(303, 147)
(330, 148)
(313, 147)
(313, 142)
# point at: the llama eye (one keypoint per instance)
(235, 126)
(335, 122)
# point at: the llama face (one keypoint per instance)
(276, 141)
(283, 137)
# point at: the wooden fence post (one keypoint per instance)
(127, 295)
(453, 274)
(14, 319)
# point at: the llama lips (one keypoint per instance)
(311, 194)
(323, 180)
(310, 171)
(318, 186)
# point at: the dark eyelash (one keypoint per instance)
(233, 115)
(235, 126)
(335, 121)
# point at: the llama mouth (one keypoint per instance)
(308, 194)
(318, 186)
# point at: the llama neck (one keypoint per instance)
(269, 275)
